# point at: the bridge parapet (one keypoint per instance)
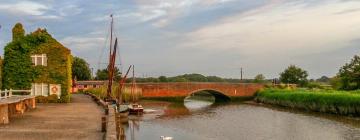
(150, 90)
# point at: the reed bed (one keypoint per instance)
(126, 93)
(327, 101)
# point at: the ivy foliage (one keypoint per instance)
(18, 31)
(1, 67)
(19, 71)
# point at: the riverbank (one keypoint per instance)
(80, 119)
(326, 101)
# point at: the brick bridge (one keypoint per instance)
(221, 91)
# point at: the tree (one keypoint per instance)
(323, 79)
(192, 77)
(260, 78)
(214, 79)
(336, 83)
(80, 69)
(163, 79)
(103, 74)
(349, 74)
(294, 75)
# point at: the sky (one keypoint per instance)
(211, 37)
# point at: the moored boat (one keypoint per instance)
(135, 108)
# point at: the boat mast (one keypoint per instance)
(133, 84)
(111, 59)
(111, 69)
(111, 35)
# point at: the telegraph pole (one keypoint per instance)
(241, 73)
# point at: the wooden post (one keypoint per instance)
(103, 124)
(106, 110)
(122, 134)
(6, 92)
(4, 114)
(10, 93)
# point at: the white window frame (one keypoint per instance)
(43, 58)
(42, 93)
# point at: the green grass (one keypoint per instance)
(328, 101)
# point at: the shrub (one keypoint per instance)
(65, 98)
(41, 99)
(53, 98)
(314, 85)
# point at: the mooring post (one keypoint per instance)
(103, 124)
(106, 110)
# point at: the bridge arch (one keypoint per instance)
(219, 95)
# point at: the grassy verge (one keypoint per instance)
(327, 101)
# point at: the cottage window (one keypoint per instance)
(38, 89)
(39, 60)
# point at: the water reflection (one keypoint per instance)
(202, 120)
(199, 102)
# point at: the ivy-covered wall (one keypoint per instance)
(1, 68)
(19, 72)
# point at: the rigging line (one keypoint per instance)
(120, 59)
(118, 51)
(103, 48)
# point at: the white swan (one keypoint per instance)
(166, 138)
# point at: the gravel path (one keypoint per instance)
(80, 119)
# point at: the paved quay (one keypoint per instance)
(78, 120)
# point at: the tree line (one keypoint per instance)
(348, 77)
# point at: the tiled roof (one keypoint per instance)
(91, 82)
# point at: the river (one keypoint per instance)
(201, 120)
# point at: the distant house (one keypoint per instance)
(83, 85)
(38, 62)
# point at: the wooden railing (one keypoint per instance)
(9, 93)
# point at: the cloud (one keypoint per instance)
(292, 28)
(161, 13)
(47, 17)
(348, 11)
(24, 7)
(70, 10)
(82, 43)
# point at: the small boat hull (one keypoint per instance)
(136, 109)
